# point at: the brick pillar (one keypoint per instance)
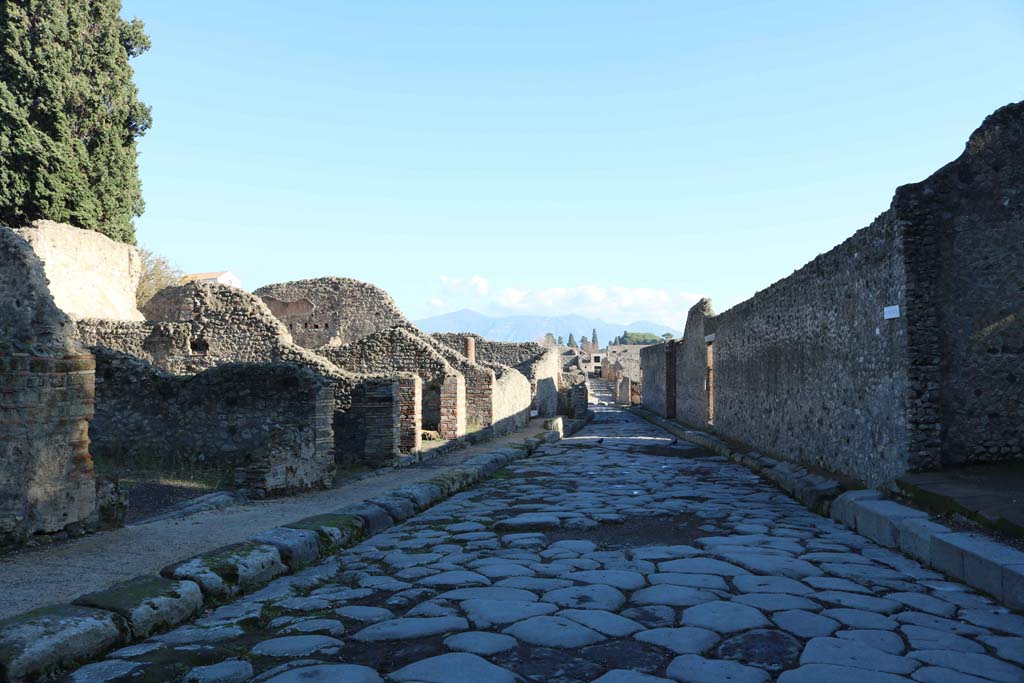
(410, 421)
(670, 379)
(471, 349)
(46, 471)
(453, 407)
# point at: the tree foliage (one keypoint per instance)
(70, 115)
(572, 341)
(157, 273)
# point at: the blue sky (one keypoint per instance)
(605, 158)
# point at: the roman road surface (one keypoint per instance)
(618, 556)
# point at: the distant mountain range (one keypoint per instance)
(534, 327)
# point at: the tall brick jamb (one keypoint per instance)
(410, 422)
(45, 407)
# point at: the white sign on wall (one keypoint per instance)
(890, 312)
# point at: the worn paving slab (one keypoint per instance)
(575, 589)
(95, 562)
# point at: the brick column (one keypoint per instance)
(410, 421)
(470, 352)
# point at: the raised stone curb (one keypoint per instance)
(35, 644)
(977, 560)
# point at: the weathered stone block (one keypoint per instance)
(298, 547)
(842, 507)
(1013, 586)
(227, 571)
(878, 519)
(915, 537)
(375, 518)
(398, 508)
(51, 638)
(335, 531)
(148, 603)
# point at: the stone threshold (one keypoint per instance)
(975, 559)
(45, 641)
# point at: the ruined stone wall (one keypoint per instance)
(900, 349)
(397, 349)
(809, 368)
(513, 397)
(91, 275)
(265, 427)
(368, 431)
(627, 356)
(537, 363)
(410, 393)
(199, 326)
(691, 391)
(964, 245)
(331, 309)
(47, 482)
(652, 363)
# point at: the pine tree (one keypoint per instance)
(572, 341)
(593, 340)
(561, 340)
(70, 115)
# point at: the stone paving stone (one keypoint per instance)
(830, 673)
(486, 613)
(630, 562)
(773, 602)
(587, 597)
(724, 617)
(805, 624)
(696, 669)
(752, 583)
(922, 638)
(852, 653)
(669, 594)
(294, 646)
(626, 676)
(858, 618)
(685, 640)
(608, 623)
(229, 671)
(886, 641)
(406, 628)
(107, 670)
(971, 663)
(934, 674)
(554, 632)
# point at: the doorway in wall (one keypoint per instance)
(709, 382)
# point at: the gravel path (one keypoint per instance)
(95, 562)
(616, 556)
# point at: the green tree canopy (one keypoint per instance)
(70, 115)
(572, 341)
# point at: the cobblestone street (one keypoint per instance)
(619, 555)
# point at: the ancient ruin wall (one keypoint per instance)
(331, 309)
(398, 349)
(538, 364)
(513, 397)
(46, 400)
(199, 326)
(265, 427)
(691, 365)
(652, 363)
(964, 244)
(810, 368)
(91, 275)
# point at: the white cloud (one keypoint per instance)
(612, 304)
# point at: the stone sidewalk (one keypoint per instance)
(616, 556)
(97, 561)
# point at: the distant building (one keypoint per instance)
(224, 277)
